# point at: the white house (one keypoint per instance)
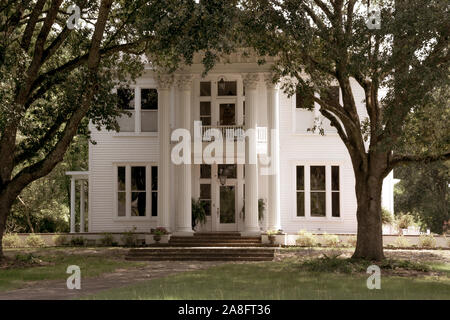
(134, 182)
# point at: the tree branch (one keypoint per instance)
(396, 160)
(29, 29)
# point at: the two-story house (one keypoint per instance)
(302, 178)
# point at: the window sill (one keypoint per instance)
(336, 219)
(136, 134)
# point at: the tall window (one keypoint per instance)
(317, 191)
(205, 113)
(205, 197)
(335, 203)
(121, 192)
(154, 199)
(318, 196)
(137, 191)
(205, 171)
(205, 88)
(126, 102)
(205, 187)
(149, 110)
(143, 111)
(300, 191)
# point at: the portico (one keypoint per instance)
(223, 103)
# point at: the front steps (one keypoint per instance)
(201, 254)
(215, 239)
(216, 246)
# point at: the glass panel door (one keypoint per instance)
(227, 208)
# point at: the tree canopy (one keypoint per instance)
(321, 43)
(55, 78)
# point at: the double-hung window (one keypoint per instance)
(317, 191)
(137, 191)
(140, 109)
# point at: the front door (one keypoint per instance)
(227, 207)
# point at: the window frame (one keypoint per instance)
(148, 190)
(137, 112)
(307, 190)
(215, 100)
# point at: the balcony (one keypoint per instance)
(231, 132)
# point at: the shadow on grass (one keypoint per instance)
(324, 278)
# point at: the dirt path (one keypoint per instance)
(57, 289)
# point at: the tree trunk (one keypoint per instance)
(369, 244)
(6, 202)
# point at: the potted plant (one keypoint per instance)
(271, 235)
(405, 221)
(158, 232)
(198, 212)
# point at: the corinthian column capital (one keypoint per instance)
(269, 80)
(164, 81)
(250, 80)
(184, 81)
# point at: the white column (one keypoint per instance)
(82, 205)
(164, 86)
(274, 147)
(184, 212)
(72, 205)
(251, 224)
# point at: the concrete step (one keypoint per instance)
(204, 254)
(197, 258)
(201, 251)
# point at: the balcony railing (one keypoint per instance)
(232, 132)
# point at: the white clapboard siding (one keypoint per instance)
(296, 148)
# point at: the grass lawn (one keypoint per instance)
(286, 280)
(52, 263)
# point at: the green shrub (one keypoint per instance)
(405, 221)
(60, 240)
(386, 216)
(34, 241)
(401, 242)
(11, 240)
(427, 241)
(107, 239)
(330, 240)
(351, 241)
(129, 238)
(306, 239)
(77, 241)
